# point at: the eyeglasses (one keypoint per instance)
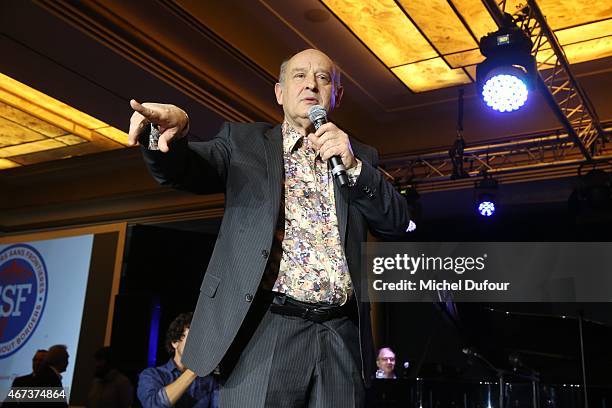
(390, 359)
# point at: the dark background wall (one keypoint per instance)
(163, 269)
(164, 266)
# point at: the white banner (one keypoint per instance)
(42, 294)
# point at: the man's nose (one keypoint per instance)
(311, 82)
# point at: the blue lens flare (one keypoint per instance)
(505, 92)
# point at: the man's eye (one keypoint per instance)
(324, 78)
(299, 76)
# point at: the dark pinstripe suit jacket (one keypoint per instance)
(246, 161)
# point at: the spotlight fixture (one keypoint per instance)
(486, 207)
(485, 196)
(509, 71)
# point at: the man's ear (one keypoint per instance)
(175, 344)
(339, 93)
(278, 91)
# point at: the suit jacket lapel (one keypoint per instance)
(342, 204)
(340, 196)
(273, 143)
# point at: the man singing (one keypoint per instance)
(280, 310)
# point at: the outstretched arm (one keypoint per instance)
(198, 167)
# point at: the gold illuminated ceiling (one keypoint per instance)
(36, 128)
(433, 44)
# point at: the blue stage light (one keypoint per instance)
(486, 196)
(505, 91)
(486, 208)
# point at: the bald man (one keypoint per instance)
(281, 311)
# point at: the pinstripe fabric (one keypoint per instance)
(292, 362)
(245, 162)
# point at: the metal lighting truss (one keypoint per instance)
(556, 82)
(581, 141)
(517, 158)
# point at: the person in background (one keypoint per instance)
(385, 363)
(29, 379)
(50, 372)
(171, 384)
(52, 367)
(110, 388)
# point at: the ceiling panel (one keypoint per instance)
(440, 24)
(585, 32)
(35, 127)
(14, 133)
(7, 112)
(431, 74)
(567, 13)
(24, 148)
(582, 51)
(476, 16)
(385, 29)
(465, 58)
(7, 164)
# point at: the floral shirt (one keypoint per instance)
(312, 267)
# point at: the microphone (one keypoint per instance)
(318, 117)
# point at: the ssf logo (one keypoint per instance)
(23, 293)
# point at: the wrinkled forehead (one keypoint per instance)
(311, 60)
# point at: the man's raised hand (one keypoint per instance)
(172, 121)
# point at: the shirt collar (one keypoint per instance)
(56, 372)
(290, 137)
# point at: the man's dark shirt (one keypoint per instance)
(28, 380)
(202, 393)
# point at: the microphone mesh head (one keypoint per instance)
(316, 112)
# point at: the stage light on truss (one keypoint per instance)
(505, 89)
(509, 71)
(486, 208)
(485, 192)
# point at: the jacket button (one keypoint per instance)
(265, 253)
(248, 297)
